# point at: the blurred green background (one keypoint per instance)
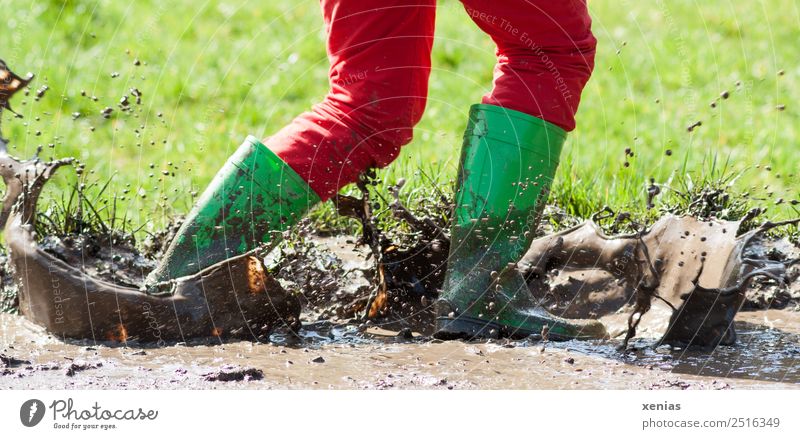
(210, 72)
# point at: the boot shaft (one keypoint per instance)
(507, 165)
(252, 197)
(508, 160)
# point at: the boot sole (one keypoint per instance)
(467, 328)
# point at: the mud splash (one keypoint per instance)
(56, 289)
(233, 298)
(683, 278)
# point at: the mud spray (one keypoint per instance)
(668, 294)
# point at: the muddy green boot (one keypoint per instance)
(254, 195)
(508, 160)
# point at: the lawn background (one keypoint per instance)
(216, 71)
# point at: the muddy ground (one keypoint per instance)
(337, 353)
(765, 357)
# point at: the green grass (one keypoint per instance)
(216, 72)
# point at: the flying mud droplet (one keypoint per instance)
(652, 191)
(137, 94)
(41, 92)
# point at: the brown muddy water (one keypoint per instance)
(339, 357)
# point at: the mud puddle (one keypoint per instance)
(766, 356)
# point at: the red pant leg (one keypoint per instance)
(380, 62)
(545, 55)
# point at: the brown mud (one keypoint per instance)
(327, 356)
(662, 292)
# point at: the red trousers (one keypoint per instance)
(379, 53)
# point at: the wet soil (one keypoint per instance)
(102, 256)
(333, 357)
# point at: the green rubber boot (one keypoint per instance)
(254, 195)
(508, 160)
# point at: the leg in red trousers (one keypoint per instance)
(380, 62)
(545, 55)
